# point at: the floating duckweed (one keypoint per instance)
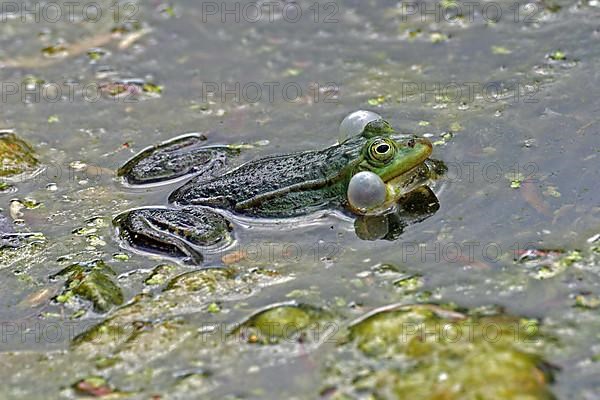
(552, 191)
(168, 10)
(515, 178)
(5, 187)
(292, 72)
(454, 127)
(31, 204)
(557, 56)
(78, 165)
(438, 37)
(98, 222)
(449, 135)
(159, 275)
(384, 269)
(376, 101)
(545, 264)
(121, 256)
(414, 33)
(448, 3)
(570, 258)
(53, 119)
(84, 231)
(96, 54)
(31, 81)
(500, 50)
(54, 51)
(587, 301)
(106, 362)
(78, 314)
(64, 298)
(409, 283)
(152, 88)
(213, 308)
(95, 241)
(424, 123)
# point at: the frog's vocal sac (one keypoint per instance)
(374, 174)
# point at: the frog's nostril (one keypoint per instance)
(411, 143)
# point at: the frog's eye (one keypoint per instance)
(382, 150)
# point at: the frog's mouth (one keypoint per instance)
(410, 178)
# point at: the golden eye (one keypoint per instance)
(382, 150)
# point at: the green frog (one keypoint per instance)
(364, 175)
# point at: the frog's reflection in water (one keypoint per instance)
(415, 206)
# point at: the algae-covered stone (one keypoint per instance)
(207, 280)
(17, 156)
(158, 275)
(431, 352)
(284, 322)
(91, 281)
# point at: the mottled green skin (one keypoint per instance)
(299, 183)
(273, 187)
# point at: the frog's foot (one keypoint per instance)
(177, 158)
(183, 234)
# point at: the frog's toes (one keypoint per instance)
(183, 234)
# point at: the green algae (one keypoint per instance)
(432, 352)
(17, 155)
(279, 323)
(159, 275)
(93, 282)
(207, 280)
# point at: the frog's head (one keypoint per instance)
(389, 158)
(381, 165)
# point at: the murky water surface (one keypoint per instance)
(506, 90)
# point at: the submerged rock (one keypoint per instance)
(280, 323)
(91, 281)
(208, 281)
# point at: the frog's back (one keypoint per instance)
(266, 176)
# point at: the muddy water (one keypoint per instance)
(506, 91)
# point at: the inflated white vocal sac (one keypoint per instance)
(366, 191)
(354, 124)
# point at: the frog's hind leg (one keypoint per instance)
(180, 234)
(177, 158)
